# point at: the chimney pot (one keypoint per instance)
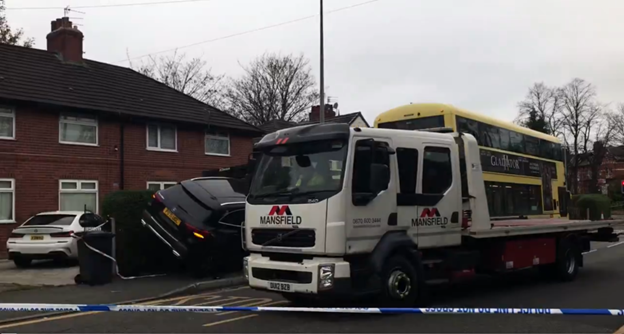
(314, 115)
(65, 39)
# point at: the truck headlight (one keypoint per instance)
(246, 267)
(326, 276)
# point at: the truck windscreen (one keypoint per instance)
(296, 173)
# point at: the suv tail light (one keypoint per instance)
(62, 234)
(202, 234)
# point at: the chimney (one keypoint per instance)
(315, 115)
(66, 40)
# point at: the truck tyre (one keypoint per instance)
(402, 285)
(566, 265)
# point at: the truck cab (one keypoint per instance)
(340, 211)
(328, 202)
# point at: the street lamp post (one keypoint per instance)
(322, 98)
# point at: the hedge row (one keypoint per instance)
(138, 251)
(597, 204)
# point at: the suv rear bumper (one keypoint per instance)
(178, 248)
(301, 278)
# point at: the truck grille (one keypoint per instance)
(302, 238)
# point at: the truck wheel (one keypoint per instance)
(566, 266)
(401, 283)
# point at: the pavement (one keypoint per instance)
(40, 273)
(599, 285)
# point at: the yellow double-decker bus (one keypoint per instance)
(523, 169)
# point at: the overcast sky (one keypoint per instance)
(480, 55)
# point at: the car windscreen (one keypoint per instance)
(59, 220)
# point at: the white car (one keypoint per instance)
(47, 235)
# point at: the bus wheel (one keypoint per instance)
(400, 283)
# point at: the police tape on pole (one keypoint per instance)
(28, 307)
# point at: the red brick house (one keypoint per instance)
(73, 130)
(354, 119)
(611, 170)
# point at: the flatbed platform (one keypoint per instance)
(504, 228)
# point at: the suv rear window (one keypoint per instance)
(224, 187)
(60, 220)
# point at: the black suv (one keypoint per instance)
(201, 220)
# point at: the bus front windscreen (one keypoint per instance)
(415, 123)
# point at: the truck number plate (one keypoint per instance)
(276, 286)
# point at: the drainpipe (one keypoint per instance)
(121, 155)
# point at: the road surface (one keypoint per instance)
(599, 285)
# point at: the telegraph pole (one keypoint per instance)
(322, 99)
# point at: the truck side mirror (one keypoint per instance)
(379, 177)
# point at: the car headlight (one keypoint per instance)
(326, 276)
(246, 267)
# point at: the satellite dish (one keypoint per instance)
(336, 105)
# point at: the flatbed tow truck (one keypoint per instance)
(396, 212)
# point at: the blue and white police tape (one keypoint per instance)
(4, 307)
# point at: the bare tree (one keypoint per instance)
(616, 121)
(190, 77)
(10, 36)
(274, 87)
(541, 109)
(579, 110)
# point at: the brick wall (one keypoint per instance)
(37, 161)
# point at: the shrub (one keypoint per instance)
(596, 203)
(138, 251)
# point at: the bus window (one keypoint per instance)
(469, 126)
(531, 145)
(516, 142)
(415, 124)
(504, 140)
(490, 135)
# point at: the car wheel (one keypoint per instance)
(22, 263)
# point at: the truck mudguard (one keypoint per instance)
(389, 243)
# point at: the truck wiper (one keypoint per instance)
(280, 237)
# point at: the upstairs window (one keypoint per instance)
(217, 143)
(78, 129)
(162, 137)
(7, 123)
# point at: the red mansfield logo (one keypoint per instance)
(430, 213)
(430, 217)
(280, 211)
(280, 215)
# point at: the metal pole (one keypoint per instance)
(322, 98)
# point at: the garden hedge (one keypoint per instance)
(138, 251)
(596, 203)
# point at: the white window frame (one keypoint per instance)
(8, 112)
(158, 148)
(12, 191)
(95, 122)
(224, 135)
(79, 190)
(161, 184)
